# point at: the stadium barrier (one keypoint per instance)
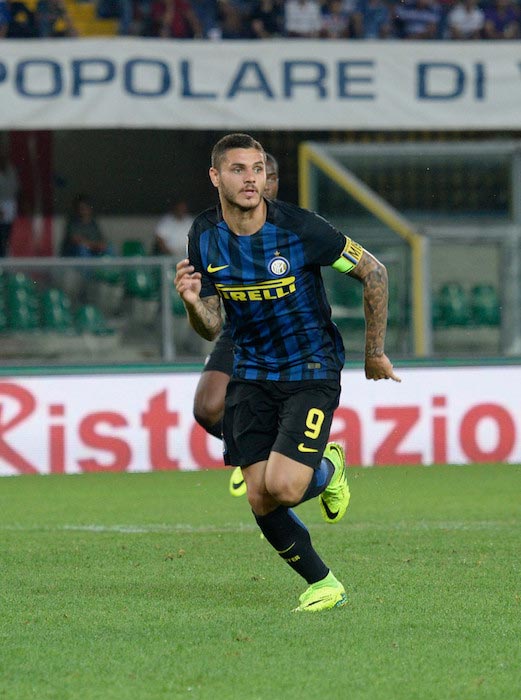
(81, 420)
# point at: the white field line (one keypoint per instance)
(238, 528)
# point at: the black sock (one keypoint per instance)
(290, 538)
(320, 479)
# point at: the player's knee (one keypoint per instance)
(208, 412)
(284, 490)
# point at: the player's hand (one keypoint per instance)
(187, 282)
(380, 368)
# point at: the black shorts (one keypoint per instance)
(293, 418)
(221, 357)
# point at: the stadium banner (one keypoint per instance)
(143, 422)
(271, 84)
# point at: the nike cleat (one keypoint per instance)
(323, 595)
(237, 483)
(335, 499)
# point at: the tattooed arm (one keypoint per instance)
(203, 313)
(373, 276)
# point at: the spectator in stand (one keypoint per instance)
(174, 19)
(375, 20)
(465, 21)
(4, 18)
(419, 19)
(267, 19)
(54, 20)
(8, 199)
(502, 20)
(302, 19)
(233, 20)
(337, 22)
(22, 20)
(206, 13)
(83, 237)
(172, 230)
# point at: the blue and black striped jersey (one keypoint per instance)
(272, 291)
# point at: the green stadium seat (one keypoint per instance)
(89, 319)
(485, 306)
(109, 276)
(20, 283)
(56, 311)
(4, 321)
(23, 317)
(178, 308)
(454, 307)
(132, 247)
(140, 283)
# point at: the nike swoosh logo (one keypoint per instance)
(330, 513)
(302, 448)
(237, 485)
(216, 268)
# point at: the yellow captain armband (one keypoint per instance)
(351, 256)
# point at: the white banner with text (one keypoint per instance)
(144, 422)
(271, 84)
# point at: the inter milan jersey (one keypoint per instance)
(272, 291)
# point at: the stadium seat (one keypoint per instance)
(178, 308)
(22, 303)
(23, 317)
(485, 306)
(19, 281)
(89, 319)
(4, 321)
(140, 283)
(132, 247)
(56, 311)
(454, 307)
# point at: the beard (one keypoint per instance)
(238, 201)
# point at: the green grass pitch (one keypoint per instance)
(158, 586)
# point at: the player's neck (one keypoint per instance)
(244, 223)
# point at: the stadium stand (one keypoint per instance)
(87, 20)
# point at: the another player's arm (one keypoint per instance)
(360, 264)
(204, 313)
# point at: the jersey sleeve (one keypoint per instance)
(324, 243)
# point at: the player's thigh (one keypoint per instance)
(210, 393)
(305, 421)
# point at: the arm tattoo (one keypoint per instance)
(373, 276)
(205, 317)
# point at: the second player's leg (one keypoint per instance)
(209, 401)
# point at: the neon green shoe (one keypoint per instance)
(237, 484)
(323, 595)
(335, 499)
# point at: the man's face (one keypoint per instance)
(241, 178)
(272, 181)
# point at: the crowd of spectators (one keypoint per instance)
(264, 19)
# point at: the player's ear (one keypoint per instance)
(214, 176)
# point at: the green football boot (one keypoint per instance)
(237, 484)
(335, 499)
(323, 595)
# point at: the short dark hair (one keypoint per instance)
(233, 141)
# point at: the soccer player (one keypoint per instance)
(261, 259)
(211, 388)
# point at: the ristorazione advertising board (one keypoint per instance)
(144, 422)
(273, 84)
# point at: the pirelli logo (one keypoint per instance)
(262, 291)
